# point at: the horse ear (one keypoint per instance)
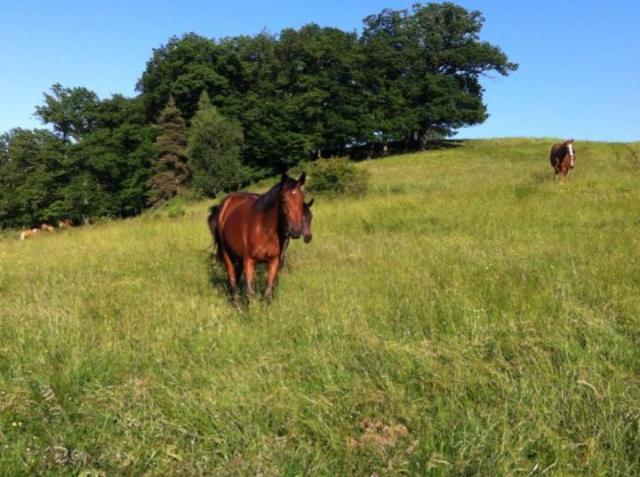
(302, 178)
(310, 203)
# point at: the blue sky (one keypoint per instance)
(579, 62)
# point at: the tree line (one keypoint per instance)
(211, 115)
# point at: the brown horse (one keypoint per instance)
(253, 228)
(563, 157)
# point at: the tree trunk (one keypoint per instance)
(424, 139)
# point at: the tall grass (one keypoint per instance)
(468, 316)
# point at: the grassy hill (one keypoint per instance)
(469, 316)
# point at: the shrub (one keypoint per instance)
(337, 176)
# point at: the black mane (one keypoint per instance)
(270, 198)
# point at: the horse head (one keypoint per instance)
(307, 216)
(571, 151)
(292, 198)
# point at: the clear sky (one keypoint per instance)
(579, 62)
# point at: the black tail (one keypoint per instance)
(213, 221)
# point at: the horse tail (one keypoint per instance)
(213, 222)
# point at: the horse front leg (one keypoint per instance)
(283, 251)
(231, 274)
(272, 274)
(250, 276)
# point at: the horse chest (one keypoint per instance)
(263, 247)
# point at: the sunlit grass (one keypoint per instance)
(488, 316)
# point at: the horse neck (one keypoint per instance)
(273, 219)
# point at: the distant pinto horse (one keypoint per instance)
(563, 158)
(253, 228)
(29, 233)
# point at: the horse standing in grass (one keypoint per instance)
(563, 157)
(253, 228)
(29, 233)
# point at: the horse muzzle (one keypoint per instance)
(307, 238)
(295, 234)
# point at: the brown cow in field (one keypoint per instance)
(65, 224)
(47, 228)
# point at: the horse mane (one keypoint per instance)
(270, 198)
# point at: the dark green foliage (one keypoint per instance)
(422, 70)
(338, 177)
(32, 165)
(278, 101)
(46, 178)
(71, 111)
(215, 149)
(182, 69)
(171, 170)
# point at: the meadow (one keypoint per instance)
(468, 316)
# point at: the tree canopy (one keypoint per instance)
(246, 107)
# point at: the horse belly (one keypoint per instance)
(263, 247)
(232, 228)
(265, 252)
(232, 235)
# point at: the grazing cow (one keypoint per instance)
(47, 228)
(65, 224)
(252, 228)
(25, 234)
(563, 158)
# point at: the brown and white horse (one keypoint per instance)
(253, 228)
(563, 157)
(25, 234)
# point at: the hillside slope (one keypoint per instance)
(469, 316)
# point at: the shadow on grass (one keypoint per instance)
(219, 281)
(378, 150)
(540, 177)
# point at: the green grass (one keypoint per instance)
(487, 315)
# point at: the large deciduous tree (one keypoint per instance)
(70, 111)
(182, 69)
(32, 166)
(422, 70)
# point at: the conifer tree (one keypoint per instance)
(171, 169)
(215, 148)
